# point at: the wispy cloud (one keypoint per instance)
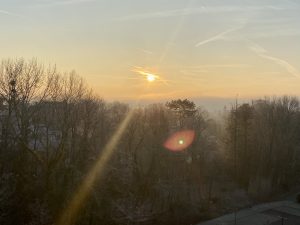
(239, 65)
(268, 33)
(199, 10)
(45, 3)
(263, 53)
(191, 72)
(10, 13)
(145, 51)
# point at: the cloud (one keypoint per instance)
(193, 72)
(283, 32)
(67, 2)
(45, 3)
(160, 95)
(199, 10)
(145, 51)
(261, 52)
(240, 65)
(9, 13)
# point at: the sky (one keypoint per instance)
(195, 48)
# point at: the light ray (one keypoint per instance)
(71, 212)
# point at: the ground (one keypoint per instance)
(274, 213)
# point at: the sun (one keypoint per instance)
(148, 76)
(151, 77)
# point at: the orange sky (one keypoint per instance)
(196, 48)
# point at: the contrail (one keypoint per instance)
(219, 36)
(175, 33)
(69, 215)
(261, 52)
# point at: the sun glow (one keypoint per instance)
(150, 77)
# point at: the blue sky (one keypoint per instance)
(212, 48)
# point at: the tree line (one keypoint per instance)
(54, 128)
(263, 145)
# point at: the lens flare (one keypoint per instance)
(180, 140)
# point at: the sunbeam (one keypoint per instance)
(77, 202)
